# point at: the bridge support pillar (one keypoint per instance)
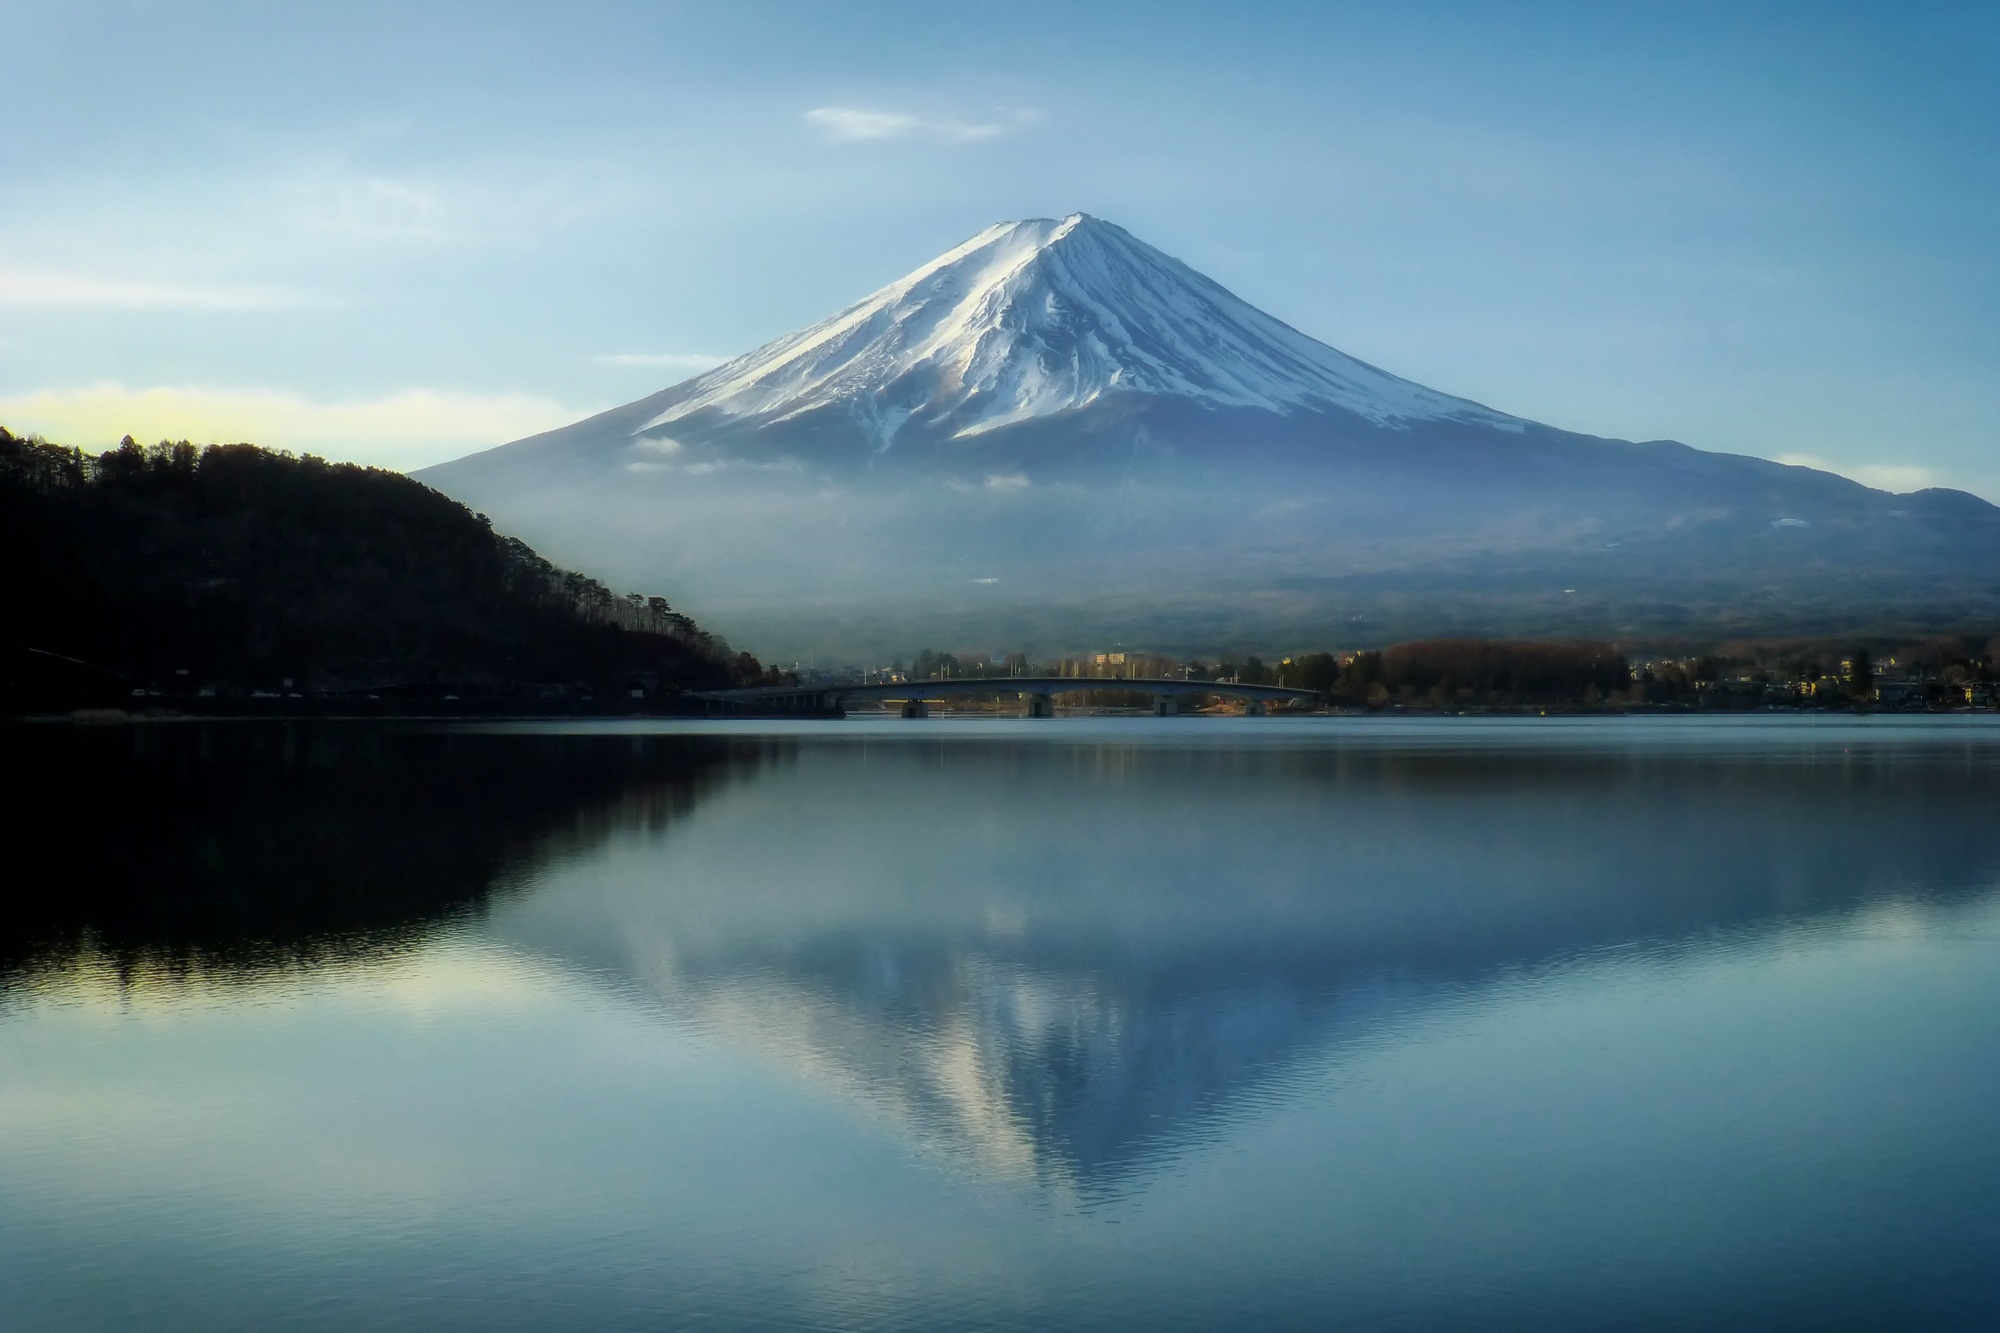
(1253, 708)
(916, 708)
(1041, 705)
(1165, 705)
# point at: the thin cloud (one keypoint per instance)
(375, 209)
(688, 361)
(848, 124)
(37, 289)
(408, 429)
(374, 206)
(1897, 477)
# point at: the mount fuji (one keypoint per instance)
(1055, 435)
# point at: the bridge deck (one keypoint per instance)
(834, 696)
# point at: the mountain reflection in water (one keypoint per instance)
(1197, 1023)
(1062, 957)
(1071, 960)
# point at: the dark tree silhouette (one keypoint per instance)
(236, 568)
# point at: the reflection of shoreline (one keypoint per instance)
(434, 972)
(249, 848)
(1095, 954)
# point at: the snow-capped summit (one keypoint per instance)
(1032, 318)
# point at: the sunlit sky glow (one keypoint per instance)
(398, 233)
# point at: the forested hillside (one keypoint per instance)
(235, 571)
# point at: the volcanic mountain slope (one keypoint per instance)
(1055, 434)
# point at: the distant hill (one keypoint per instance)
(1055, 435)
(235, 570)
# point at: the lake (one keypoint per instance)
(1065, 1024)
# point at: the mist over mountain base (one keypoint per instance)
(1198, 532)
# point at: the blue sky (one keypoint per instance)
(400, 232)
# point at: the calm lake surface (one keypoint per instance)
(1148, 1023)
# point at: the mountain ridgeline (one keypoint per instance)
(179, 572)
(1055, 434)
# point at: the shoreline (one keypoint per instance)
(118, 717)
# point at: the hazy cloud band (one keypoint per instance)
(407, 429)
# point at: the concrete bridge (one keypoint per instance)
(916, 696)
